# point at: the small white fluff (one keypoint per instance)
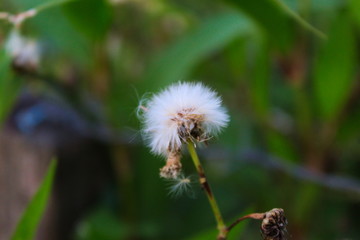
(180, 113)
(181, 185)
(24, 51)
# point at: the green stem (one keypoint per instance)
(299, 19)
(203, 181)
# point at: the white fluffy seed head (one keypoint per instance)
(182, 112)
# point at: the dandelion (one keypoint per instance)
(191, 113)
(182, 113)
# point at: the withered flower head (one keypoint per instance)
(274, 224)
(172, 169)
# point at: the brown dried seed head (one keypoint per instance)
(172, 169)
(274, 224)
(189, 125)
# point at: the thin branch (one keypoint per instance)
(257, 216)
(18, 19)
(265, 160)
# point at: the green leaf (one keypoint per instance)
(56, 34)
(354, 6)
(334, 69)
(91, 17)
(276, 18)
(271, 18)
(295, 16)
(259, 83)
(56, 30)
(9, 85)
(30, 219)
(176, 62)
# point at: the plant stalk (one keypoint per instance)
(203, 181)
(257, 216)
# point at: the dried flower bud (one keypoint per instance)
(274, 224)
(172, 169)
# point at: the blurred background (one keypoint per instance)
(72, 76)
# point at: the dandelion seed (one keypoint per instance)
(181, 185)
(182, 113)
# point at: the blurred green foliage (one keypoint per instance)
(9, 85)
(28, 223)
(287, 71)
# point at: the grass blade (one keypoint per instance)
(27, 226)
(179, 58)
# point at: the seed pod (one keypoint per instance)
(274, 224)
